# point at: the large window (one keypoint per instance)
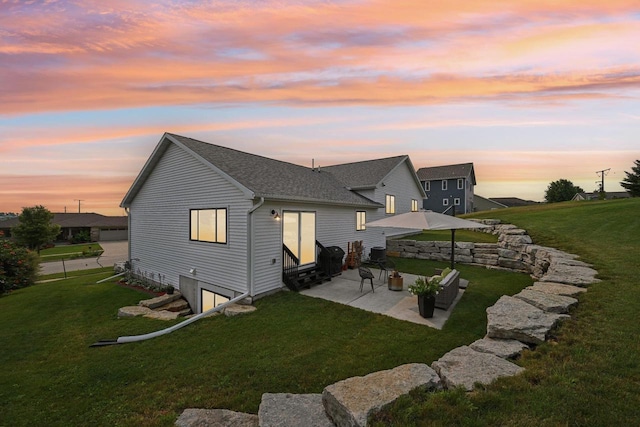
(209, 225)
(460, 183)
(361, 219)
(414, 205)
(210, 300)
(390, 204)
(444, 185)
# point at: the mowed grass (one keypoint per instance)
(460, 236)
(68, 251)
(589, 372)
(292, 344)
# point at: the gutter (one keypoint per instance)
(144, 337)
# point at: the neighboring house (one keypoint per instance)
(483, 204)
(512, 202)
(220, 223)
(608, 195)
(99, 227)
(448, 186)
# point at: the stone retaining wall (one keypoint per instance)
(514, 251)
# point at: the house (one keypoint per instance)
(97, 227)
(512, 202)
(219, 223)
(483, 204)
(448, 186)
(608, 195)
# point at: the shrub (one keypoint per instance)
(18, 266)
(82, 236)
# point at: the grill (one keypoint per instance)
(331, 260)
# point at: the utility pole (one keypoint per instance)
(79, 200)
(602, 174)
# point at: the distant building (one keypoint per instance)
(512, 202)
(608, 195)
(483, 204)
(448, 186)
(99, 227)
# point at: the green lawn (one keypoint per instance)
(589, 373)
(460, 236)
(292, 343)
(70, 251)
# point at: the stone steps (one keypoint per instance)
(163, 307)
(514, 324)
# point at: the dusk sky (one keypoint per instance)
(529, 91)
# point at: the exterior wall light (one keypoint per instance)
(275, 214)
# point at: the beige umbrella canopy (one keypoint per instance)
(428, 220)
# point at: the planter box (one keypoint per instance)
(395, 283)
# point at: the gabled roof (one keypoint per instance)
(462, 170)
(257, 176)
(512, 201)
(370, 174)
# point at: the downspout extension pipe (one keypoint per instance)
(144, 337)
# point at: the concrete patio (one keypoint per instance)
(345, 289)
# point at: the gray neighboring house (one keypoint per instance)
(608, 195)
(512, 202)
(99, 227)
(219, 223)
(483, 204)
(447, 186)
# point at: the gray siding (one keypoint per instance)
(159, 223)
(436, 194)
(335, 226)
(401, 184)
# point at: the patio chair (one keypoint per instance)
(385, 265)
(365, 274)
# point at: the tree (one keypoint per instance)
(18, 266)
(632, 182)
(561, 191)
(35, 228)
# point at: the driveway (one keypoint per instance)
(113, 252)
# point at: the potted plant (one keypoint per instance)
(426, 290)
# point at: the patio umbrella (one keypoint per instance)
(428, 220)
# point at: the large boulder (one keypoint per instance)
(547, 302)
(557, 288)
(464, 367)
(160, 301)
(215, 417)
(133, 311)
(512, 318)
(350, 402)
(285, 409)
(570, 274)
(505, 349)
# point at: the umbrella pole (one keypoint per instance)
(453, 246)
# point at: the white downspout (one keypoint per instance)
(250, 246)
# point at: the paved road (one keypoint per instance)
(113, 252)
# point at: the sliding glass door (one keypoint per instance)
(299, 234)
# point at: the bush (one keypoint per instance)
(18, 266)
(82, 236)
